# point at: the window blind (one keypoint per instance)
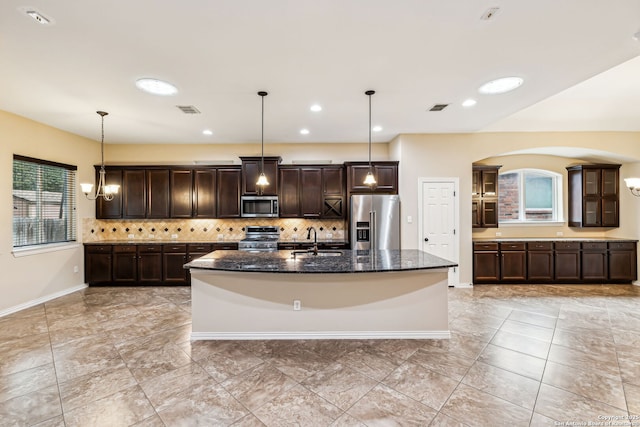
(44, 202)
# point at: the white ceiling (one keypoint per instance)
(414, 53)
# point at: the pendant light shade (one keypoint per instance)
(107, 192)
(262, 179)
(370, 180)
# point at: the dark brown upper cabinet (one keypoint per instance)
(311, 191)
(204, 193)
(228, 181)
(158, 184)
(594, 195)
(134, 193)
(113, 208)
(251, 167)
(385, 173)
(484, 196)
(181, 193)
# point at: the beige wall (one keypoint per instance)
(190, 153)
(452, 155)
(32, 277)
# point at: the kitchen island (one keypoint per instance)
(332, 295)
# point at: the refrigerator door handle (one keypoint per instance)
(373, 230)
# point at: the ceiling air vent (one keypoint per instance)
(439, 107)
(188, 109)
(489, 13)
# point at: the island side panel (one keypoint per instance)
(239, 305)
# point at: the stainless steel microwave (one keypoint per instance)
(259, 206)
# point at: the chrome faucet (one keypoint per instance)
(315, 240)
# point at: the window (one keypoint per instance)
(530, 196)
(44, 202)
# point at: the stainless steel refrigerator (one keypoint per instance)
(375, 221)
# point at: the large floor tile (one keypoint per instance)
(298, 406)
(522, 344)
(588, 384)
(27, 381)
(126, 407)
(339, 384)
(384, 407)
(506, 385)
(257, 386)
(421, 384)
(563, 405)
(478, 408)
(513, 361)
(447, 364)
(31, 408)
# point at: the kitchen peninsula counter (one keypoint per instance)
(356, 294)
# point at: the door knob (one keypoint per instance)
(426, 239)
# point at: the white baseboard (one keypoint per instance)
(41, 300)
(464, 285)
(355, 335)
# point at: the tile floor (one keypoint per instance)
(518, 356)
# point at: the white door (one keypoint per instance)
(438, 222)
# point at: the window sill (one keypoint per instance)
(532, 224)
(36, 250)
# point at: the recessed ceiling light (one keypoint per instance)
(207, 132)
(501, 85)
(469, 103)
(376, 128)
(304, 131)
(156, 87)
(315, 108)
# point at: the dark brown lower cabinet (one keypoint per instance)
(150, 264)
(554, 262)
(486, 263)
(144, 264)
(97, 264)
(595, 262)
(622, 261)
(125, 264)
(567, 262)
(174, 258)
(513, 262)
(540, 262)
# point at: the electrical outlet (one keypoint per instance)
(409, 219)
(75, 269)
(151, 236)
(131, 236)
(559, 233)
(498, 233)
(297, 305)
(174, 236)
(220, 236)
(329, 235)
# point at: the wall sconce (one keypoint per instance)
(633, 184)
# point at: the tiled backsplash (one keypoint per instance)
(213, 230)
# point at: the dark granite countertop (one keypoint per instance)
(348, 262)
(552, 239)
(310, 241)
(159, 242)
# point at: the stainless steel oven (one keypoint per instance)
(259, 206)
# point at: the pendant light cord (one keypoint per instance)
(262, 136)
(370, 129)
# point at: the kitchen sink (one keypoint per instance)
(312, 254)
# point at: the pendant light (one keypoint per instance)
(107, 192)
(369, 179)
(262, 179)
